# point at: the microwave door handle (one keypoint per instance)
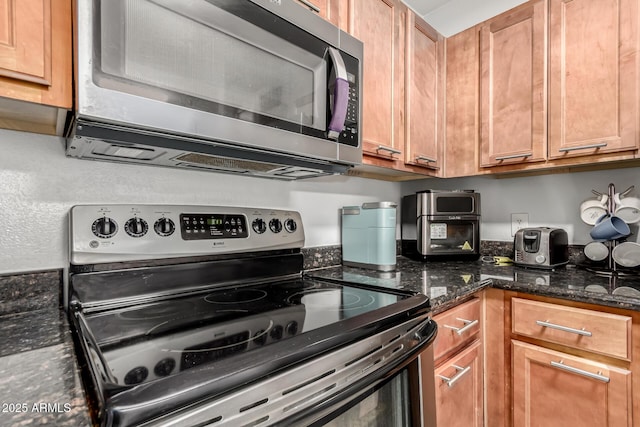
(340, 95)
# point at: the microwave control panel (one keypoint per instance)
(350, 133)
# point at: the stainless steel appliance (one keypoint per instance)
(257, 87)
(201, 315)
(438, 224)
(542, 247)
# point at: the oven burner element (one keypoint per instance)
(235, 296)
(156, 311)
(331, 300)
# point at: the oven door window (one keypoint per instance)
(228, 58)
(450, 236)
(388, 406)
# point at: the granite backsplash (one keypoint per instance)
(327, 256)
(33, 291)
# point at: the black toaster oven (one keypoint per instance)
(437, 224)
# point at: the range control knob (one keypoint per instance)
(275, 225)
(259, 226)
(290, 225)
(164, 367)
(136, 375)
(540, 259)
(164, 227)
(277, 332)
(292, 327)
(136, 227)
(104, 227)
(260, 337)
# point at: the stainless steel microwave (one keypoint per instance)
(260, 87)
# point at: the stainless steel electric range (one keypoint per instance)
(201, 315)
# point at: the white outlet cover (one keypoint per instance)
(518, 221)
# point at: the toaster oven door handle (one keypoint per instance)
(339, 90)
(546, 324)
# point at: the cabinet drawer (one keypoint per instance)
(456, 327)
(590, 330)
(459, 389)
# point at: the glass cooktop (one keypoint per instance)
(152, 341)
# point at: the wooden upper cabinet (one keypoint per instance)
(593, 77)
(424, 95)
(36, 86)
(327, 9)
(25, 39)
(35, 51)
(461, 103)
(513, 87)
(380, 25)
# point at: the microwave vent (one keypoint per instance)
(205, 161)
(266, 169)
(123, 151)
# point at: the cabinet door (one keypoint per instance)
(593, 77)
(553, 389)
(459, 389)
(327, 9)
(424, 96)
(461, 110)
(25, 37)
(380, 25)
(513, 93)
(35, 51)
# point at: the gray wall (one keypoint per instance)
(550, 200)
(38, 186)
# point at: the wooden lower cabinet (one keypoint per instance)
(460, 389)
(555, 389)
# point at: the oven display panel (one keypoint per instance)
(213, 226)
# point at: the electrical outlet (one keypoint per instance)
(518, 221)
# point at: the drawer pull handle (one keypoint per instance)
(561, 365)
(514, 156)
(563, 328)
(460, 372)
(425, 159)
(468, 324)
(583, 147)
(311, 6)
(389, 149)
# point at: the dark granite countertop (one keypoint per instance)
(448, 283)
(39, 379)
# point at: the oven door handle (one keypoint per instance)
(92, 344)
(339, 98)
(422, 338)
